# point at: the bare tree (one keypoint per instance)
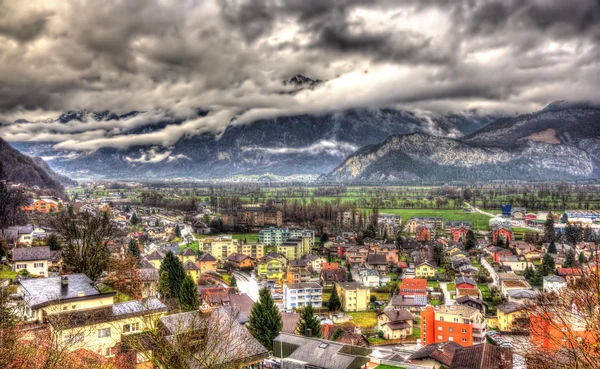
(124, 275)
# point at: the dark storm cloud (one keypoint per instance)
(229, 57)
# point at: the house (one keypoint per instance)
(215, 296)
(187, 255)
(473, 302)
(253, 249)
(569, 274)
(252, 218)
(412, 303)
(514, 263)
(207, 263)
(299, 295)
(507, 211)
(512, 317)
(155, 257)
(377, 262)
(460, 323)
(315, 262)
(413, 287)
(43, 206)
(554, 283)
(192, 269)
(346, 334)
(472, 292)
(519, 213)
(240, 261)
(395, 324)
(219, 247)
(271, 266)
(501, 232)
(149, 276)
(485, 356)
(297, 275)
(369, 277)
(435, 355)
(424, 233)
(510, 285)
(524, 296)
(295, 248)
(449, 226)
(465, 282)
(468, 270)
(459, 234)
(425, 270)
(331, 273)
(353, 296)
(81, 316)
(356, 255)
(295, 351)
(34, 260)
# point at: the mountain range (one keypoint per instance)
(560, 142)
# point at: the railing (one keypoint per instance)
(479, 325)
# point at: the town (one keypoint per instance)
(142, 277)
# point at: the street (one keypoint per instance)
(247, 284)
(490, 269)
(447, 300)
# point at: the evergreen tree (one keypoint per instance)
(538, 277)
(470, 240)
(324, 238)
(551, 248)
(265, 319)
(134, 220)
(569, 260)
(127, 209)
(233, 282)
(164, 285)
(188, 296)
(581, 257)
(528, 272)
(549, 232)
(52, 242)
(370, 232)
(385, 234)
(174, 268)
(399, 243)
(548, 266)
(308, 323)
(177, 231)
(134, 249)
(334, 303)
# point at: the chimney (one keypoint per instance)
(64, 281)
(308, 332)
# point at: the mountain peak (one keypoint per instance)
(83, 115)
(301, 80)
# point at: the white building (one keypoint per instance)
(369, 277)
(299, 295)
(554, 283)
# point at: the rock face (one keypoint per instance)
(559, 142)
(19, 168)
(305, 144)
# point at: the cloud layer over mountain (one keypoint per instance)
(169, 58)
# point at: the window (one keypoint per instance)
(73, 338)
(133, 327)
(464, 331)
(38, 265)
(439, 328)
(450, 338)
(441, 319)
(21, 266)
(456, 319)
(450, 330)
(109, 351)
(464, 340)
(104, 332)
(439, 337)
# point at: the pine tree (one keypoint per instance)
(548, 266)
(177, 231)
(164, 285)
(551, 248)
(188, 296)
(528, 272)
(385, 234)
(134, 249)
(174, 268)
(581, 257)
(233, 282)
(334, 303)
(308, 323)
(265, 319)
(549, 232)
(134, 220)
(470, 240)
(52, 242)
(569, 260)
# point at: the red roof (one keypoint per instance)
(410, 285)
(329, 266)
(569, 271)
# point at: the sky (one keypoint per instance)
(229, 57)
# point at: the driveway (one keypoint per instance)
(490, 269)
(247, 284)
(447, 300)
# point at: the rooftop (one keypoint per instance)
(295, 286)
(510, 307)
(460, 310)
(442, 352)
(39, 292)
(31, 253)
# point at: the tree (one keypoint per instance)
(548, 266)
(124, 276)
(127, 209)
(334, 303)
(177, 231)
(551, 248)
(164, 285)
(52, 242)
(528, 272)
(370, 232)
(324, 238)
(188, 296)
(233, 282)
(134, 220)
(174, 268)
(385, 234)
(438, 254)
(549, 232)
(373, 298)
(570, 259)
(308, 325)
(581, 257)
(320, 225)
(85, 242)
(134, 249)
(265, 319)
(470, 240)
(11, 201)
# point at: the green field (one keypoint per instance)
(479, 221)
(250, 237)
(5, 272)
(364, 319)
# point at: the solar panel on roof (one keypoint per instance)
(323, 345)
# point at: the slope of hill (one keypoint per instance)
(19, 168)
(553, 144)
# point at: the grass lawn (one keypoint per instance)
(434, 284)
(194, 246)
(375, 340)
(451, 287)
(485, 291)
(479, 221)
(435, 302)
(416, 332)
(5, 272)
(226, 278)
(364, 319)
(381, 296)
(441, 270)
(326, 297)
(383, 366)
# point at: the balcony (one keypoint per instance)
(478, 334)
(479, 326)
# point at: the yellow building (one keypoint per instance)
(207, 263)
(353, 296)
(395, 324)
(187, 255)
(425, 270)
(32, 259)
(83, 317)
(192, 269)
(254, 249)
(271, 267)
(220, 247)
(155, 258)
(512, 317)
(295, 249)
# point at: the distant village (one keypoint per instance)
(422, 292)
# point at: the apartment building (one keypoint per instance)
(271, 266)
(295, 249)
(299, 295)
(255, 250)
(353, 296)
(220, 247)
(462, 324)
(277, 236)
(81, 317)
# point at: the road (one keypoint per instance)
(490, 269)
(516, 223)
(477, 210)
(447, 300)
(247, 284)
(186, 231)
